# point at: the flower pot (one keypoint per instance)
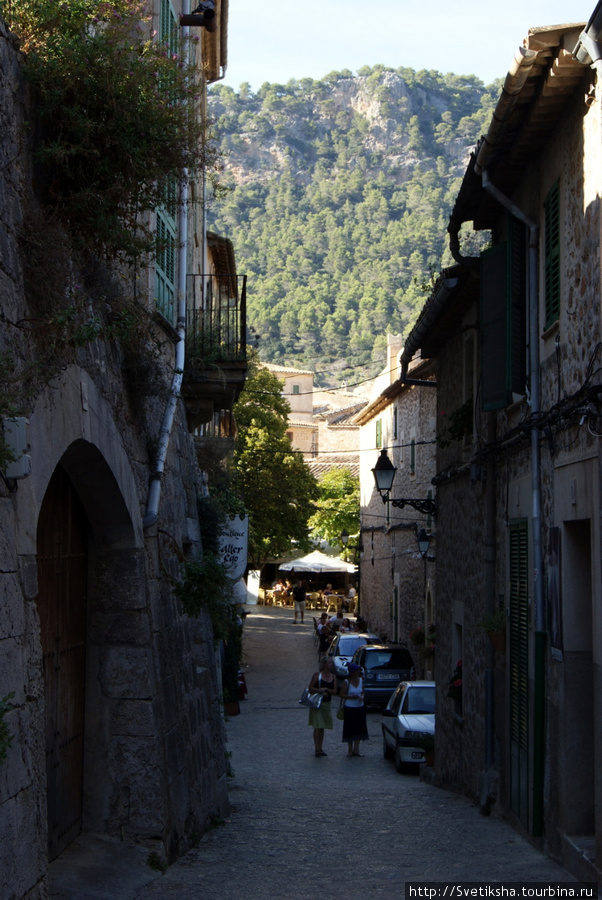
(498, 639)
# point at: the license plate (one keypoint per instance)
(386, 676)
(416, 754)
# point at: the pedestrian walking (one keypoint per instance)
(299, 600)
(323, 682)
(355, 728)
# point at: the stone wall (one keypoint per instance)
(478, 505)
(154, 767)
(396, 587)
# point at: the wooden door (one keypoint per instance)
(62, 571)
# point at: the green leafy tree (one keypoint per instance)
(277, 487)
(116, 114)
(338, 506)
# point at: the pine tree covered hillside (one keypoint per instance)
(340, 194)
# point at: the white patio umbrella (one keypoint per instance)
(318, 562)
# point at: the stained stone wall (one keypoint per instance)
(154, 766)
(397, 590)
(478, 505)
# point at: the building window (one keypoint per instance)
(413, 456)
(166, 229)
(379, 433)
(296, 389)
(395, 422)
(552, 255)
(503, 314)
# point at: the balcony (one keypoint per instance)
(216, 346)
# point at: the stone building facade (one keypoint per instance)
(397, 586)
(515, 336)
(113, 695)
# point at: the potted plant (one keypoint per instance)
(494, 625)
(454, 690)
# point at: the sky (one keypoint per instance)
(276, 40)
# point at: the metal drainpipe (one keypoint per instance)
(540, 635)
(154, 493)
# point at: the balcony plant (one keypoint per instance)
(116, 115)
(494, 625)
(454, 690)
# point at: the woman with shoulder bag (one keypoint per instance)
(354, 711)
(322, 682)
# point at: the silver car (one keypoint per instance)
(344, 646)
(409, 722)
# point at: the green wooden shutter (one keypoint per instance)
(504, 318)
(165, 266)
(379, 433)
(166, 228)
(494, 328)
(552, 255)
(517, 242)
(519, 671)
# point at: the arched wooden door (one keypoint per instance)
(62, 575)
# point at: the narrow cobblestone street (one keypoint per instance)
(303, 827)
(344, 828)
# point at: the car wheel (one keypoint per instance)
(387, 751)
(399, 763)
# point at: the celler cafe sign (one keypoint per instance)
(233, 545)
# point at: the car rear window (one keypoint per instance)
(348, 647)
(393, 658)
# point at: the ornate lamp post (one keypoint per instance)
(384, 475)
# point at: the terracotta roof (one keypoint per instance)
(325, 462)
(286, 370)
(542, 78)
(302, 423)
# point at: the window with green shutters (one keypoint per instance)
(552, 255)
(503, 315)
(379, 433)
(166, 229)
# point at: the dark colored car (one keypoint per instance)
(384, 667)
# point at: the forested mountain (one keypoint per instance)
(340, 194)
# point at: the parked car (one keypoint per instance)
(384, 667)
(344, 646)
(409, 723)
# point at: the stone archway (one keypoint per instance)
(94, 631)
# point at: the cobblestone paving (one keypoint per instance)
(334, 827)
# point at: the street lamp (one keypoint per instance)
(384, 474)
(424, 542)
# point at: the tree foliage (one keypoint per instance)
(116, 114)
(338, 506)
(277, 487)
(340, 194)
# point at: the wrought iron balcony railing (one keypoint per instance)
(217, 319)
